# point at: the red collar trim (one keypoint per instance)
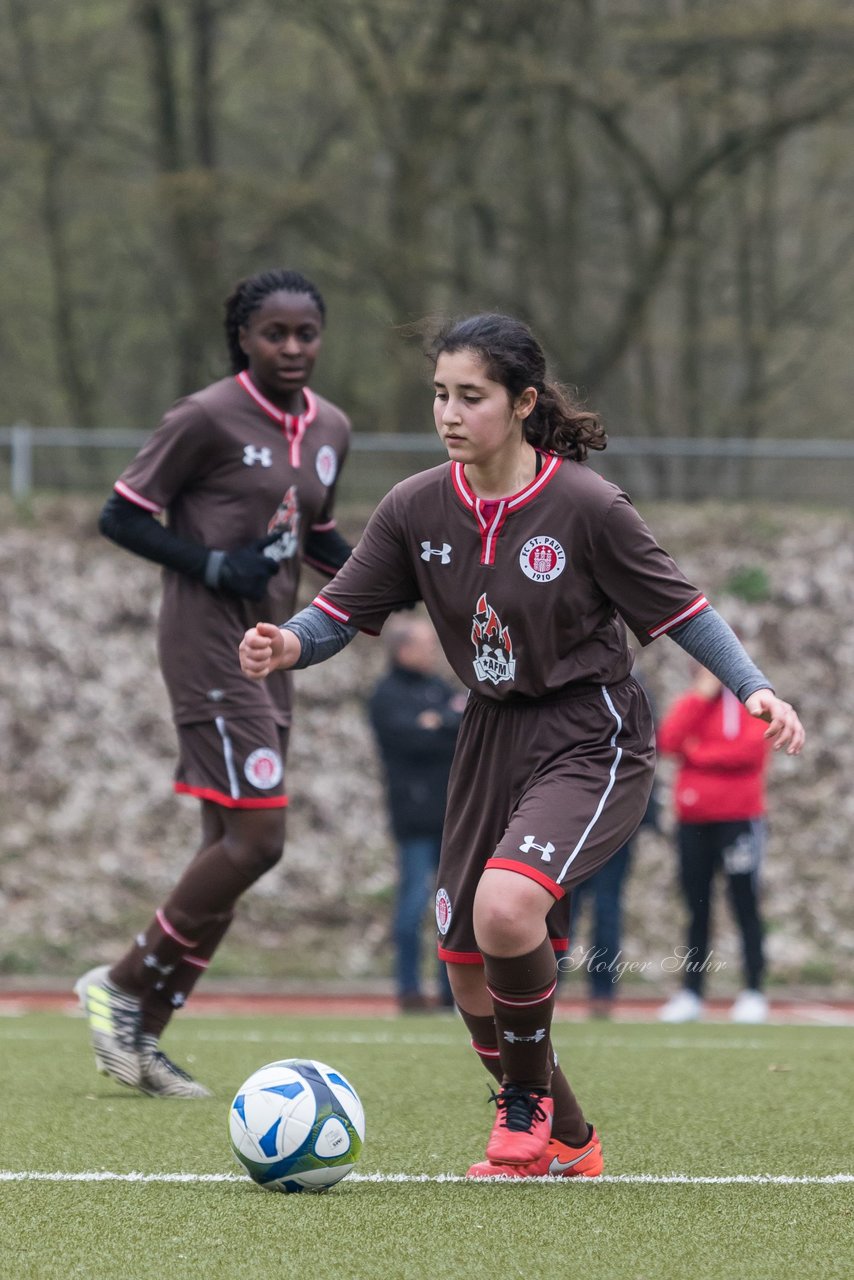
(287, 421)
(500, 508)
(294, 428)
(470, 499)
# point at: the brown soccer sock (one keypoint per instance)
(523, 995)
(569, 1125)
(170, 995)
(152, 959)
(201, 902)
(484, 1041)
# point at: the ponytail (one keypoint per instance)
(559, 425)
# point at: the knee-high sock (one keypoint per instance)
(523, 995)
(569, 1124)
(200, 904)
(170, 995)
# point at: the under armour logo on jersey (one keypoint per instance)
(512, 1038)
(545, 850)
(251, 455)
(444, 552)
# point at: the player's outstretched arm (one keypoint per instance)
(265, 648)
(784, 726)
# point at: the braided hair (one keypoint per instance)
(248, 295)
(512, 356)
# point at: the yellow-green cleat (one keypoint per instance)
(114, 1019)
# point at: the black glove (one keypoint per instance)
(244, 572)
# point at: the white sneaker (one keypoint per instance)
(750, 1006)
(685, 1006)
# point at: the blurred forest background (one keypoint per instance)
(662, 187)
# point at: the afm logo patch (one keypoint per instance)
(494, 659)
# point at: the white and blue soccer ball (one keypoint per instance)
(296, 1125)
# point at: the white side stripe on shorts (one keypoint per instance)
(612, 777)
(228, 756)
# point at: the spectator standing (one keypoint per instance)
(415, 715)
(719, 796)
(604, 893)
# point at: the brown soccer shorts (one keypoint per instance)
(550, 788)
(238, 763)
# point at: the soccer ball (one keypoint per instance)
(296, 1125)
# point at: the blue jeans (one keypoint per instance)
(418, 858)
(605, 890)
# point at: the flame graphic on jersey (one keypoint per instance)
(493, 646)
(285, 522)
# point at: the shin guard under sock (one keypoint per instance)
(523, 994)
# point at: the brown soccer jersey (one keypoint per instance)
(227, 467)
(526, 593)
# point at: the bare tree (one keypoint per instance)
(60, 118)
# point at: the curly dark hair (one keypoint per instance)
(513, 356)
(247, 297)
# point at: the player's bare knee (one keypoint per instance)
(509, 914)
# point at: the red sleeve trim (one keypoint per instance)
(229, 802)
(506, 864)
(684, 615)
(323, 528)
(136, 498)
(338, 614)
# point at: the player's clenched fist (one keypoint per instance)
(267, 648)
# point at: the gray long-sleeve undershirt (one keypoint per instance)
(707, 638)
(320, 636)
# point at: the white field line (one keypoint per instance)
(645, 1179)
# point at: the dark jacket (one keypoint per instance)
(416, 760)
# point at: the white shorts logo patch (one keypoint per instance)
(326, 464)
(444, 911)
(263, 768)
(542, 559)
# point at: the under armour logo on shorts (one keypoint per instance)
(546, 850)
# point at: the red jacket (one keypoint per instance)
(723, 758)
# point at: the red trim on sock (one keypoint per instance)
(484, 1052)
(171, 932)
(523, 1004)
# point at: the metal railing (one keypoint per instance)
(679, 468)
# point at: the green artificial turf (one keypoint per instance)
(698, 1102)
